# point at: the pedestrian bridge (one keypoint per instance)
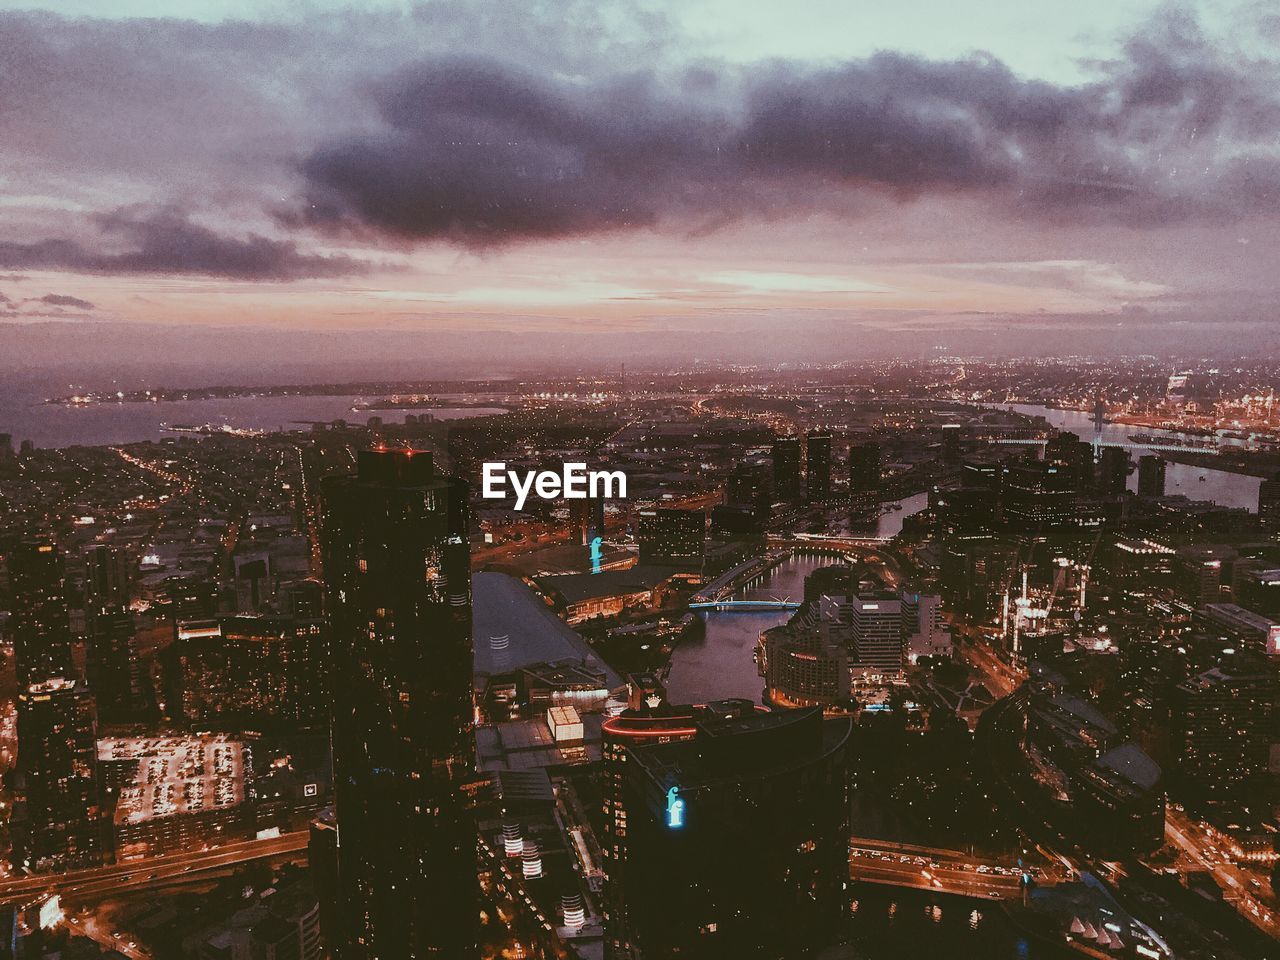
(745, 606)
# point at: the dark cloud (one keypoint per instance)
(64, 300)
(476, 152)
(166, 241)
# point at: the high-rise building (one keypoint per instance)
(40, 622)
(672, 535)
(1067, 450)
(877, 638)
(1269, 506)
(1113, 471)
(1222, 722)
(398, 577)
(57, 757)
(926, 633)
(817, 458)
(951, 443)
(111, 662)
(1151, 471)
(738, 839)
(786, 469)
(108, 577)
(238, 672)
(649, 720)
(864, 467)
(111, 666)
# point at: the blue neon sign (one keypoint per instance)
(675, 809)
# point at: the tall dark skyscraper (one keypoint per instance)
(398, 576)
(1151, 476)
(1113, 471)
(1269, 505)
(738, 839)
(670, 534)
(56, 722)
(818, 466)
(57, 754)
(864, 467)
(786, 469)
(41, 626)
(112, 668)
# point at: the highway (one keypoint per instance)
(1253, 903)
(946, 871)
(136, 875)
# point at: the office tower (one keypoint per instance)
(1113, 471)
(40, 624)
(588, 517)
(253, 581)
(748, 486)
(108, 577)
(951, 443)
(303, 599)
(398, 578)
(925, 632)
(1204, 573)
(111, 662)
(877, 635)
(738, 839)
(111, 666)
(247, 672)
(818, 466)
(57, 758)
(1151, 476)
(648, 720)
(864, 468)
(1269, 506)
(671, 535)
(1222, 724)
(786, 469)
(6, 447)
(1076, 455)
(1038, 497)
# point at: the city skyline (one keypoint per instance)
(634, 179)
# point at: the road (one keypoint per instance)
(140, 874)
(946, 871)
(1252, 903)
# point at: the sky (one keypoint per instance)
(271, 187)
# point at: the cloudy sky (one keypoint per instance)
(474, 181)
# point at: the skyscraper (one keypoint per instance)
(1222, 723)
(40, 624)
(1113, 471)
(111, 662)
(786, 469)
(397, 570)
(58, 759)
(1151, 476)
(670, 534)
(864, 467)
(738, 839)
(818, 466)
(1269, 506)
(111, 665)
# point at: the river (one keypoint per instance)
(721, 664)
(1218, 486)
(50, 425)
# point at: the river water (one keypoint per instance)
(1218, 486)
(721, 664)
(48, 425)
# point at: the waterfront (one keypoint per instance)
(894, 922)
(1219, 486)
(51, 425)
